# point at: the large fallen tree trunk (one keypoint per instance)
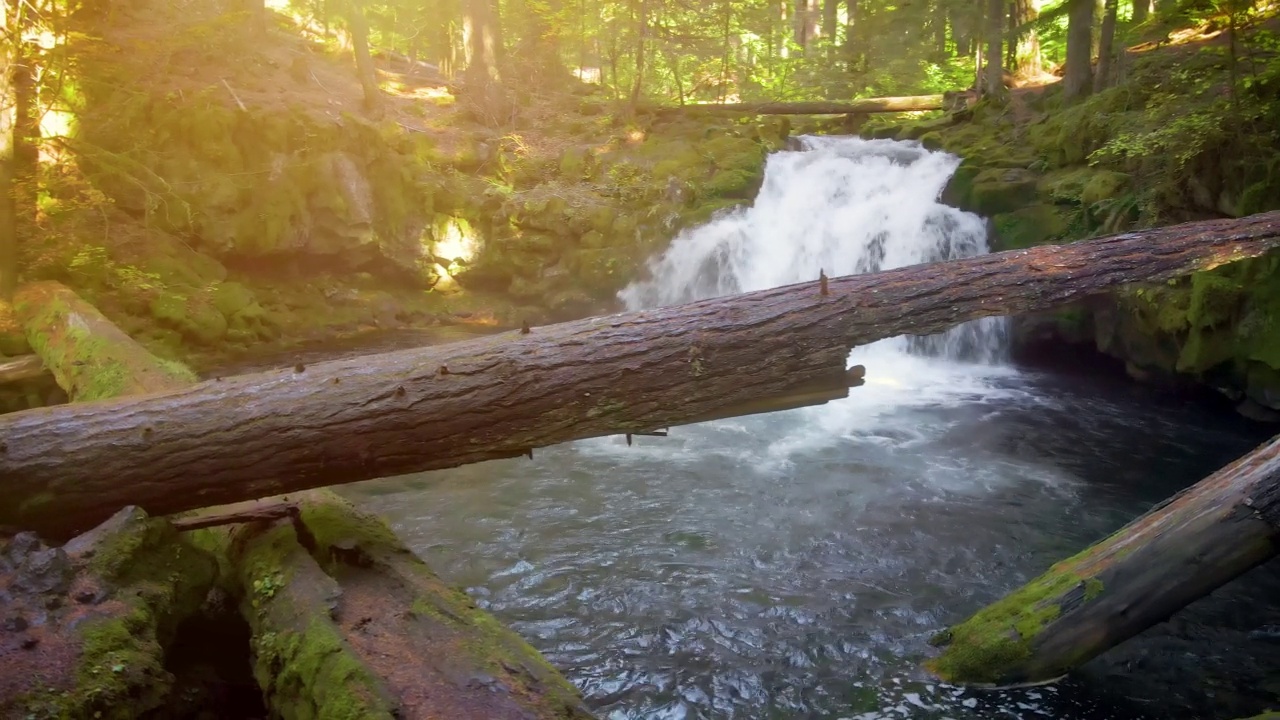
(853, 107)
(346, 621)
(1178, 552)
(65, 468)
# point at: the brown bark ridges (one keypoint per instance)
(1180, 551)
(63, 469)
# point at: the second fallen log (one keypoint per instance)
(1178, 552)
(67, 468)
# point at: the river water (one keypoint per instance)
(794, 565)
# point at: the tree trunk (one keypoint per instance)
(866, 105)
(359, 26)
(8, 209)
(19, 153)
(831, 23)
(1106, 42)
(394, 638)
(539, 46)
(805, 23)
(1181, 550)
(63, 469)
(1141, 11)
(1027, 55)
(642, 32)
(108, 362)
(995, 44)
(1077, 75)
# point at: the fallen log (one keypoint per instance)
(1179, 551)
(27, 367)
(500, 396)
(90, 357)
(853, 107)
(335, 582)
(371, 634)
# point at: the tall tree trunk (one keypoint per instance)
(806, 23)
(359, 26)
(642, 32)
(1078, 73)
(831, 24)
(1027, 54)
(494, 19)
(851, 43)
(995, 44)
(1106, 43)
(19, 154)
(940, 31)
(66, 468)
(539, 47)
(1141, 11)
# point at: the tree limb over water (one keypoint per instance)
(64, 469)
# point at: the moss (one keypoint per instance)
(992, 646)
(1029, 226)
(998, 191)
(195, 317)
(1215, 298)
(1103, 185)
(312, 674)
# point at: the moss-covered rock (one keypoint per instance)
(195, 316)
(998, 191)
(1028, 226)
(1103, 185)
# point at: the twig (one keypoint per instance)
(227, 85)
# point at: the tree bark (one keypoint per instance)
(642, 32)
(359, 25)
(1106, 43)
(805, 23)
(63, 469)
(1027, 54)
(831, 24)
(1077, 74)
(107, 363)
(1141, 10)
(325, 581)
(1182, 550)
(867, 105)
(995, 44)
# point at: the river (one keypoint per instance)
(794, 565)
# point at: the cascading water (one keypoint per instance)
(795, 564)
(839, 205)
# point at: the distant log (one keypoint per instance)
(1181, 550)
(502, 395)
(90, 357)
(27, 367)
(854, 107)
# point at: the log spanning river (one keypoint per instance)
(794, 565)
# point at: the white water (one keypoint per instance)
(846, 206)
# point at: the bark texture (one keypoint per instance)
(1077, 78)
(253, 436)
(1178, 552)
(868, 105)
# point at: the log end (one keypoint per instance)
(994, 647)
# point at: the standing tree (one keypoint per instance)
(1141, 10)
(358, 25)
(1106, 43)
(19, 133)
(995, 41)
(1078, 73)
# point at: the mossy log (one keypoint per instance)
(27, 367)
(1179, 551)
(500, 396)
(347, 622)
(853, 107)
(89, 356)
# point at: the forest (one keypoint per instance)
(639, 358)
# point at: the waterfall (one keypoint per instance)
(842, 205)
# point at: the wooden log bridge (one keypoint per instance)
(64, 469)
(1179, 551)
(853, 107)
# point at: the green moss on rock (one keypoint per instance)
(1029, 226)
(998, 191)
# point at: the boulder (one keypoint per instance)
(999, 190)
(1029, 226)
